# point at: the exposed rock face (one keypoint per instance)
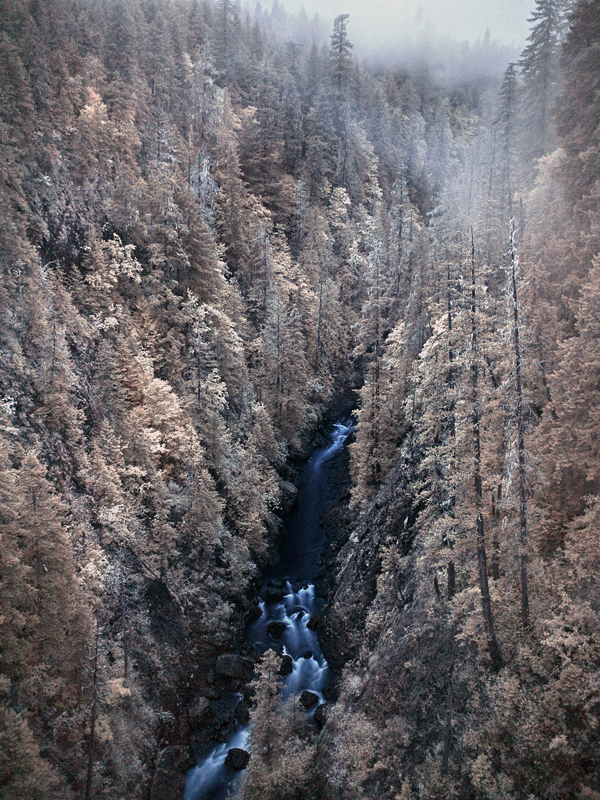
(313, 622)
(237, 758)
(169, 775)
(341, 622)
(231, 665)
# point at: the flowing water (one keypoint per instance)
(291, 576)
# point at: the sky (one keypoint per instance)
(376, 24)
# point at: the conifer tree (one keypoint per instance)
(280, 761)
(578, 110)
(339, 54)
(477, 478)
(507, 121)
(540, 69)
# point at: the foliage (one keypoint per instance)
(209, 235)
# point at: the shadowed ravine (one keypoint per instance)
(292, 602)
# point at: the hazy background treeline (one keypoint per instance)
(214, 224)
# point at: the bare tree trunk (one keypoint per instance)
(451, 568)
(320, 316)
(451, 580)
(495, 565)
(486, 602)
(514, 262)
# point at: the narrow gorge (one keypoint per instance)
(289, 612)
(222, 228)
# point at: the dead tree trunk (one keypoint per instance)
(452, 422)
(486, 602)
(514, 263)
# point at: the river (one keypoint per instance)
(287, 602)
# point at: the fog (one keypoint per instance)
(380, 26)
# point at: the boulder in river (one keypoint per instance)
(276, 628)
(276, 591)
(287, 666)
(308, 699)
(253, 614)
(237, 758)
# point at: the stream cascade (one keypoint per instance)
(287, 602)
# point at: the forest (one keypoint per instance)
(217, 229)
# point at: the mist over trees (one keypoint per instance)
(217, 227)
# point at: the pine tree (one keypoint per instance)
(61, 623)
(339, 54)
(280, 761)
(540, 69)
(17, 591)
(507, 122)
(578, 109)
(486, 604)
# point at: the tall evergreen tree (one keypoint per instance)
(578, 107)
(507, 122)
(339, 53)
(540, 70)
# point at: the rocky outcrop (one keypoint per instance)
(288, 496)
(274, 527)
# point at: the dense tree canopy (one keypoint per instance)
(215, 227)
